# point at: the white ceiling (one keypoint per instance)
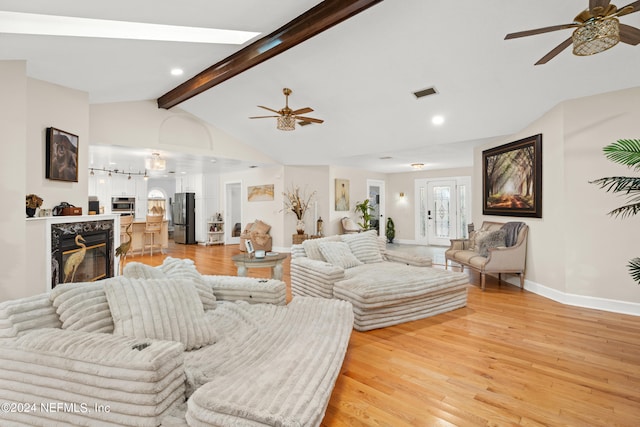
(358, 76)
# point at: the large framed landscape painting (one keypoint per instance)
(512, 178)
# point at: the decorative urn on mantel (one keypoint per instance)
(300, 226)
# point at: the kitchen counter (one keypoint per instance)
(138, 237)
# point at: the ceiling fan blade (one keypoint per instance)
(262, 117)
(309, 119)
(270, 109)
(539, 31)
(549, 56)
(630, 8)
(302, 111)
(629, 34)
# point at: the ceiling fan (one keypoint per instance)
(287, 117)
(597, 29)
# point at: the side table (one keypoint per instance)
(243, 261)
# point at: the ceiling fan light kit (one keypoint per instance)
(286, 123)
(596, 36)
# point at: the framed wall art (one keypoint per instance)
(342, 195)
(260, 193)
(61, 155)
(512, 178)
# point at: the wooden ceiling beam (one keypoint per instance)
(314, 21)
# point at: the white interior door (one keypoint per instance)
(233, 211)
(375, 190)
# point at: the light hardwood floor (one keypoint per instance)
(509, 358)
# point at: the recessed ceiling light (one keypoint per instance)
(32, 23)
(417, 165)
(177, 72)
(437, 120)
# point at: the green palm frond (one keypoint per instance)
(617, 184)
(625, 211)
(634, 269)
(624, 151)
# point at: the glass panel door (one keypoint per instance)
(441, 212)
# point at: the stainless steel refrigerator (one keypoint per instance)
(184, 218)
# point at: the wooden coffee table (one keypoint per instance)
(243, 261)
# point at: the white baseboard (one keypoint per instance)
(614, 306)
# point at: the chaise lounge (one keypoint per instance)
(142, 350)
(384, 287)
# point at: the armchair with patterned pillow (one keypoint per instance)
(258, 233)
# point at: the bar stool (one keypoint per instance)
(125, 220)
(152, 226)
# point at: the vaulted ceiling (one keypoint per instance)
(359, 76)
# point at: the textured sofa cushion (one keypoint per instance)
(492, 239)
(159, 309)
(83, 306)
(364, 246)
(174, 268)
(338, 254)
(18, 317)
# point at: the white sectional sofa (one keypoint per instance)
(384, 287)
(167, 346)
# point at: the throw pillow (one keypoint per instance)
(475, 237)
(312, 248)
(83, 306)
(338, 254)
(174, 268)
(364, 246)
(260, 227)
(492, 239)
(177, 268)
(164, 309)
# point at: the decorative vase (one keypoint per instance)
(300, 226)
(31, 212)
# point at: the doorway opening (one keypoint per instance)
(233, 212)
(375, 192)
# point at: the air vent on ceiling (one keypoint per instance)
(425, 92)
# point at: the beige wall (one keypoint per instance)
(29, 107)
(576, 253)
(14, 168)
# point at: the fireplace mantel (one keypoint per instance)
(39, 234)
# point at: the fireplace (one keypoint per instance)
(81, 251)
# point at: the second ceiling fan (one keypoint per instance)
(597, 29)
(287, 117)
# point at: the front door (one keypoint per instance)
(441, 210)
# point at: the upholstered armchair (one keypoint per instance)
(349, 226)
(258, 233)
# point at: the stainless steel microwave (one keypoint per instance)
(123, 204)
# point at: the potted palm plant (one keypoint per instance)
(625, 152)
(364, 209)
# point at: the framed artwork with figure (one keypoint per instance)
(342, 194)
(61, 155)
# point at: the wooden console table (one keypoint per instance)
(299, 238)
